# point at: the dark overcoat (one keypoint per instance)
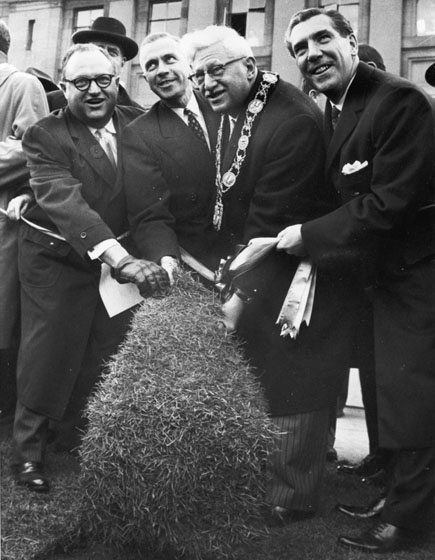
(79, 195)
(281, 183)
(162, 154)
(384, 229)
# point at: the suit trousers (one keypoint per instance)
(410, 498)
(30, 427)
(296, 465)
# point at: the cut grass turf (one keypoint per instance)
(42, 527)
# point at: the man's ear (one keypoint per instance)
(353, 41)
(251, 65)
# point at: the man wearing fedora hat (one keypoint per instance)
(109, 34)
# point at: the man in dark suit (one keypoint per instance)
(170, 149)
(380, 161)
(109, 34)
(267, 175)
(79, 211)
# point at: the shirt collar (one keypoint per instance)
(192, 105)
(110, 127)
(340, 104)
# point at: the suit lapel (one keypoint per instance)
(89, 148)
(353, 106)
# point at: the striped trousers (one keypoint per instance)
(296, 465)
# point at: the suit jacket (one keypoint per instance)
(162, 156)
(22, 103)
(79, 194)
(383, 227)
(281, 183)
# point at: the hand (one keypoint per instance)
(231, 312)
(290, 241)
(150, 278)
(18, 205)
(170, 264)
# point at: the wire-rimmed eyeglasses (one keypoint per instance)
(81, 83)
(216, 71)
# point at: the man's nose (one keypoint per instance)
(162, 67)
(94, 87)
(209, 81)
(313, 51)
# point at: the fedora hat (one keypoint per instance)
(111, 30)
(430, 75)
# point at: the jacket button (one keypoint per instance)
(83, 235)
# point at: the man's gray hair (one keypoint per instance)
(85, 47)
(5, 37)
(152, 38)
(232, 42)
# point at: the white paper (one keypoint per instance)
(115, 296)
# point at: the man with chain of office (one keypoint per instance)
(269, 165)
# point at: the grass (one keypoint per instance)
(56, 526)
(33, 524)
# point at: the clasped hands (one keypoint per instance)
(151, 279)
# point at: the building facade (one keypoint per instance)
(402, 30)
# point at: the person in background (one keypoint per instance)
(170, 148)
(380, 163)
(109, 34)
(22, 103)
(269, 163)
(78, 213)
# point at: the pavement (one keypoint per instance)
(351, 441)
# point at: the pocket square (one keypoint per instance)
(349, 168)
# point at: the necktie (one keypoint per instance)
(102, 136)
(195, 126)
(335, 115)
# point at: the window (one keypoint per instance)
(165, 16)
(30, 28)
(349, 8)
(425, 17)
(83, 18)
(248, 17)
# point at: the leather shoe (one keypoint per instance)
(331, 455)
(30, 475)
(363, 512)
(369, 466)
(281, 515)
(383, 537)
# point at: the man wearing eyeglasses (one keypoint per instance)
(269, 174)
(170, 149)
(109, 34)
(71, 229)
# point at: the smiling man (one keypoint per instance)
(109, 34)
(380, 162)
(169, 150)
(78, 212)
(268, 175)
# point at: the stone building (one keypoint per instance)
(402, 30)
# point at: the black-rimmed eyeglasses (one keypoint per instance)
(216, 71)
(103, 81)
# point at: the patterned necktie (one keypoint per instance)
(101, 135)
(195, 126)
(335, 115)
